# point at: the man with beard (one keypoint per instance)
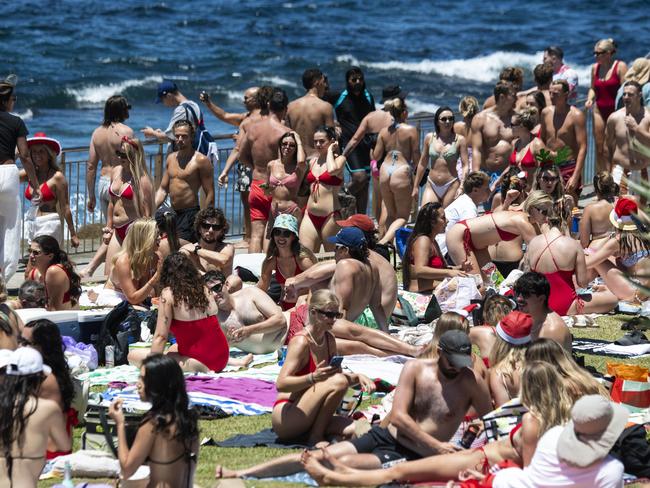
(210, 252)
(187, 171)
(352, 105)
(431, 399)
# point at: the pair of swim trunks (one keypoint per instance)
(185, 223)
(381, 443)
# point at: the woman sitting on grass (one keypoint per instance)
(168, 436)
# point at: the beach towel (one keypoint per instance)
(263, 438)
(601, 347)
(388, 368)
(10, 219)
(44, 225)
(247, 390)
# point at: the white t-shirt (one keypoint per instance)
(460, 209)
(547, 471)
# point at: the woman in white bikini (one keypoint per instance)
(443, 148)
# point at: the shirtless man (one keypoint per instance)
(357, 275)
(431, 399)
(260, 145)
(243, 172)
(492, 133)
(623, 126)
(532, 291)
(210, 252)
(249, 317)
(187, 171)
(308, 112)
(564, 125)
(105, 141)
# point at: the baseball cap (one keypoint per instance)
(361, 221)
(349, 237)
(595, 425)
(515, 328)
(164, 88)
(456, 346)
(286, 221)
(26, 361)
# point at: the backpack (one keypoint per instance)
(633, 449)
(203, 140)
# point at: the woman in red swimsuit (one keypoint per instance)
(285, 256)
(325, 177)
(131, 196)
(53, 188)
(526, 146)
(51, 266)
(468, 240)
(427, 265)
(188, 310)
(607, 74)
(284, 176)
(309, 389)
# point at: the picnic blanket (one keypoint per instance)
(388, 368)
(263, 438)
(601, 347)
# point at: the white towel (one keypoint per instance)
(10, 219)
(44, 225)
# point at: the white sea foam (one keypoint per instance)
(480, 68)
(99, 93)
(26, 115)
(414, 106)
(235, 95)
(278, 81)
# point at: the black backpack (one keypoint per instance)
(633, 449)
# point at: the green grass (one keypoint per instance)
(609, 328)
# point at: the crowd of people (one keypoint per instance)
(493, 194)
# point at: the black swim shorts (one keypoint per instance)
(359, 159)
(381, 443)
(185, 223)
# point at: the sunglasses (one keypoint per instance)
(446, 119)
(598, 53)
(288, 144)
(340, 246)
(215, 227)
(549, 179)
(120, 154)
(217, 288)
(282, 233)
(543, 211)
(35, 252)
(328, 314)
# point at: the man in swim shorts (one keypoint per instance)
(623, 127)
(564, 125)
(186, 172)
(308, 112)
(351, 106)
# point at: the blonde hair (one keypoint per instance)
(507, 358)
(447, 321)
(322, 298)
(528, 117)
(536, 199)
(468, 107)
(135, 156)
(395, 107)
(139, 245)
(639, 71)
(608, 45)
(51, 156)
(544, 395)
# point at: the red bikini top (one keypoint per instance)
(46, 193)
(325, 178)
(528, 161)
(127, 192)
(435, 261)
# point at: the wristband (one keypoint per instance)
(196, 249)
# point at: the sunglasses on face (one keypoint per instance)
(34, 252)
(288, 144)
(282, 233)
(543, 211)
(217, 288)
(215, 227)
(446, 119)
(549, 179)
(338, 247)
(328, 314)
(598, 53)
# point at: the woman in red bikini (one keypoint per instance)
(325, 177)
(309, 389)
(131, 196)
(560, 258)
(51, 266)
(53, 189)
(284, 176)
(468, 240)
(549, 180)
(548, 406)
(285, 256)
(188, 310)
(525, 146)
(607, 74)
(427, 265)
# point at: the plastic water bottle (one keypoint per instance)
(67, 476)
(109, 352)
(494, 277)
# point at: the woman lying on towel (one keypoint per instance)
(310, 389)
(168, 436)
(548, 405)
(51, 266)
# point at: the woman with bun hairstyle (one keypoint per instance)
(595, 226)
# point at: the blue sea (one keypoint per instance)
(72, 55)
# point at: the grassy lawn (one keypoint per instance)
(609, 329)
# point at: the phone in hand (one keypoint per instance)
(336, 361)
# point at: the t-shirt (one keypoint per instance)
(181, 113)
(570, 75)
(11, 128)
(462, 208)
(547, 471)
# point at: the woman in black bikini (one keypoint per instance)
(168, 436)
(26, 421)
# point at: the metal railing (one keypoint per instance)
(73, 164)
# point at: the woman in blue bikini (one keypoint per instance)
(443, 148)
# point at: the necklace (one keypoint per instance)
(314, 340)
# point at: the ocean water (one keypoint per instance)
(72, 55)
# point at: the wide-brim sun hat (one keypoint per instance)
(41, 138)
(595, 426)
(621, 214)
(286, 221)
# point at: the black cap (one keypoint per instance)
(456, 346)
(392, 91)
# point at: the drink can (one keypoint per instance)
(282, 355)
(109, 351)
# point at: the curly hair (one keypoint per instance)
(211, 213)
(49, 245)
(182, 277)
(47, 338)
